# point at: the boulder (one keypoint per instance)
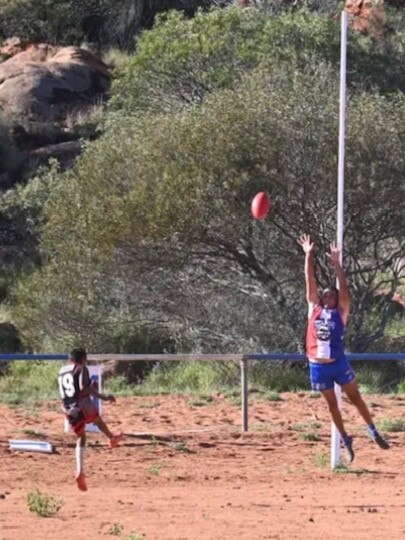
(41, 83)
(14, 45)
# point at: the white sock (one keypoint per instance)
(79, 458)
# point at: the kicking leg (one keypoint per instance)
(351, 389)
(331, 400)
(114, 439)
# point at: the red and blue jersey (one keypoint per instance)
(325, 333)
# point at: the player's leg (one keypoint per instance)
(77, 423)
(91, 415)
(351, 389)
(322, 379)
(336, 415)
(80, 476)
(114, 439)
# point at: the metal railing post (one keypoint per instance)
(244, 393)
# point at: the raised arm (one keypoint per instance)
(86, 385)
(344, 298)
(310, 281)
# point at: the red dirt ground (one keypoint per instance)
(266, 484)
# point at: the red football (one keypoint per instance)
(261, 205)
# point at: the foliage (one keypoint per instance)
(279, 378)
(21, 209)
(305, 426)
(115, 58)
(309, 437)
(86, 123)
(272, 396)
(191, 377)
(115, 529)
(70, 22)
(134, 536)
(155, 468)
(101, 23)
(42, 504)
(28, 382)
(149, 238)
(164, 200)
(392, 425)
(10, 157)
(206, 377)
(380, 377)
(321, 459)
(182, 60)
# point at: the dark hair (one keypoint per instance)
(78, 355)
(331, 288)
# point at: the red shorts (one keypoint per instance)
(78, 417)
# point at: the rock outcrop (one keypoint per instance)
(42, 82)
(367, 16)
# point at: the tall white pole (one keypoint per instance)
(335, 450)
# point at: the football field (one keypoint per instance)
(186, 472)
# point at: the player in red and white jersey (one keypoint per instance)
(76, 389)
(327, 320)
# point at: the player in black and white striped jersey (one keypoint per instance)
(76, 389)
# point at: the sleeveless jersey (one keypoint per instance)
(325, 333)
(73, 379)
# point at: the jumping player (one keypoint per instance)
(327, 319)
(76, 389)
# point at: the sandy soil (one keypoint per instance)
(200, 478)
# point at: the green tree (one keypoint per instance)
(10, 157)
(103, 23)
(162, 201)
(182, 60)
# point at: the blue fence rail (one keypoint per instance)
(160, 357)
(349, 356)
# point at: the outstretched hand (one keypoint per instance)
(334, 254)
(306, 244)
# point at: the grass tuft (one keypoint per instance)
(43, 505)
(33, 433)
(309, 437)
(304, 426)
(155, 468)
(321, 459)
(394, 426)
(181, 447)
(345, 469)
(200, 401)
(86, 123)
(271, 395)
(116, 529)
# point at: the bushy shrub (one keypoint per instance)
(183, 60)
(158, 215)
(70, 22)
(10, 157)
